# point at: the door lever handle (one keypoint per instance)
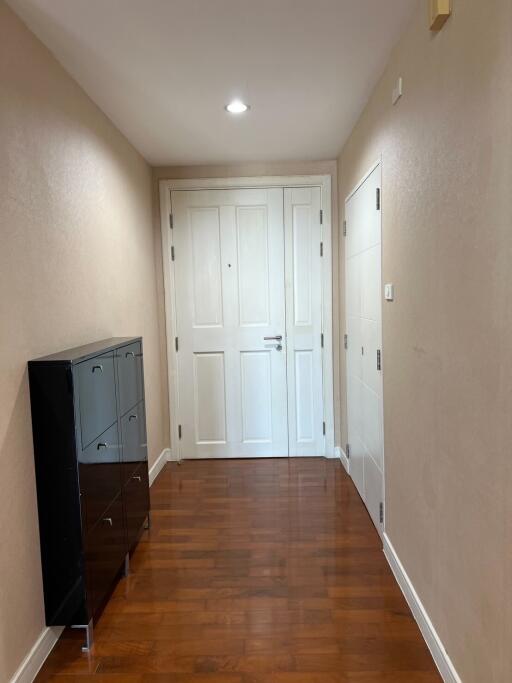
(278, 338)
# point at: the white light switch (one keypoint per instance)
(389, 292)
(398, 90)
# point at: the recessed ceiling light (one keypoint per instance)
(236, 107)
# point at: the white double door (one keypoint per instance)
(364, 343)
(248, 292)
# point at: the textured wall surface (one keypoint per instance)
(447, 246)
(77, 263)
(257, 169)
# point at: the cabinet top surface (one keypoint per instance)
(80, 353)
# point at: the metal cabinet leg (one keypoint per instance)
(89, 635)
(147, 525)
(127, 564)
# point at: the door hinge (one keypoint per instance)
(381, 513)
(347, 451)
(171, 221)
(322, 340)
(172, 253)
(321, 216)
(179, 431)
(176, 345)
(378, 359)
(344, 228)
(378, 199)
(345, 341)
(321, 248)
(323, 428)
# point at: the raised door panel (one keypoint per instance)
(256, 404)
(136, 502)
(97, 396)
(105, 551)
(134, 440)
(253, 266)
(100, 475)
(205, 255)
(209, 398)
(302, 234)
(304, 397)
(130, 376)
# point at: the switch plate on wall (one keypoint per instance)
(389, 292)
(398, 90)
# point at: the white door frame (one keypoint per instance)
(321, 181)
(361, 182)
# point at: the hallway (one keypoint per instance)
(254, 571)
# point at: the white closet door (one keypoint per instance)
(229, 281)
(304, 320)
(364, 330)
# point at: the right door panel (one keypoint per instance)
(303, 236)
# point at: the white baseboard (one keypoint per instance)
(30, 666)
(340, 453)
(436, 647)
(158, 465)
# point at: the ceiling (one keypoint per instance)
(162, 70)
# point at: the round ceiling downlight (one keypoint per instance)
(237, 107)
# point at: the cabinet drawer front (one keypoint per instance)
(100, 474)
(129, 370)
(105, 551)
(97, 395)
(133, 430)
(136, 502)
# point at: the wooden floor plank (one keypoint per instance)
(254, 571)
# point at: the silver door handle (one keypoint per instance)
(107, 520)
(137, 478)
(277, 338)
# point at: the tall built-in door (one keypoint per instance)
(364, 343)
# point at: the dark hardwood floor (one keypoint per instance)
(253, 571)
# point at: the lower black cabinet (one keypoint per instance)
(90, 451)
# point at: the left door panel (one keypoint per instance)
(230, 299)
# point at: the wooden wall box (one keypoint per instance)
(440, 10)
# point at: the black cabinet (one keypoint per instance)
(90, 450)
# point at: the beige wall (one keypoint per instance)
(256, 170)
(447, 246)
(76, 264)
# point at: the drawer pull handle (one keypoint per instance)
(129, 354)
(97, 367)
(108, 520)
(132, 417)
(102, 445)
(137, 478)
